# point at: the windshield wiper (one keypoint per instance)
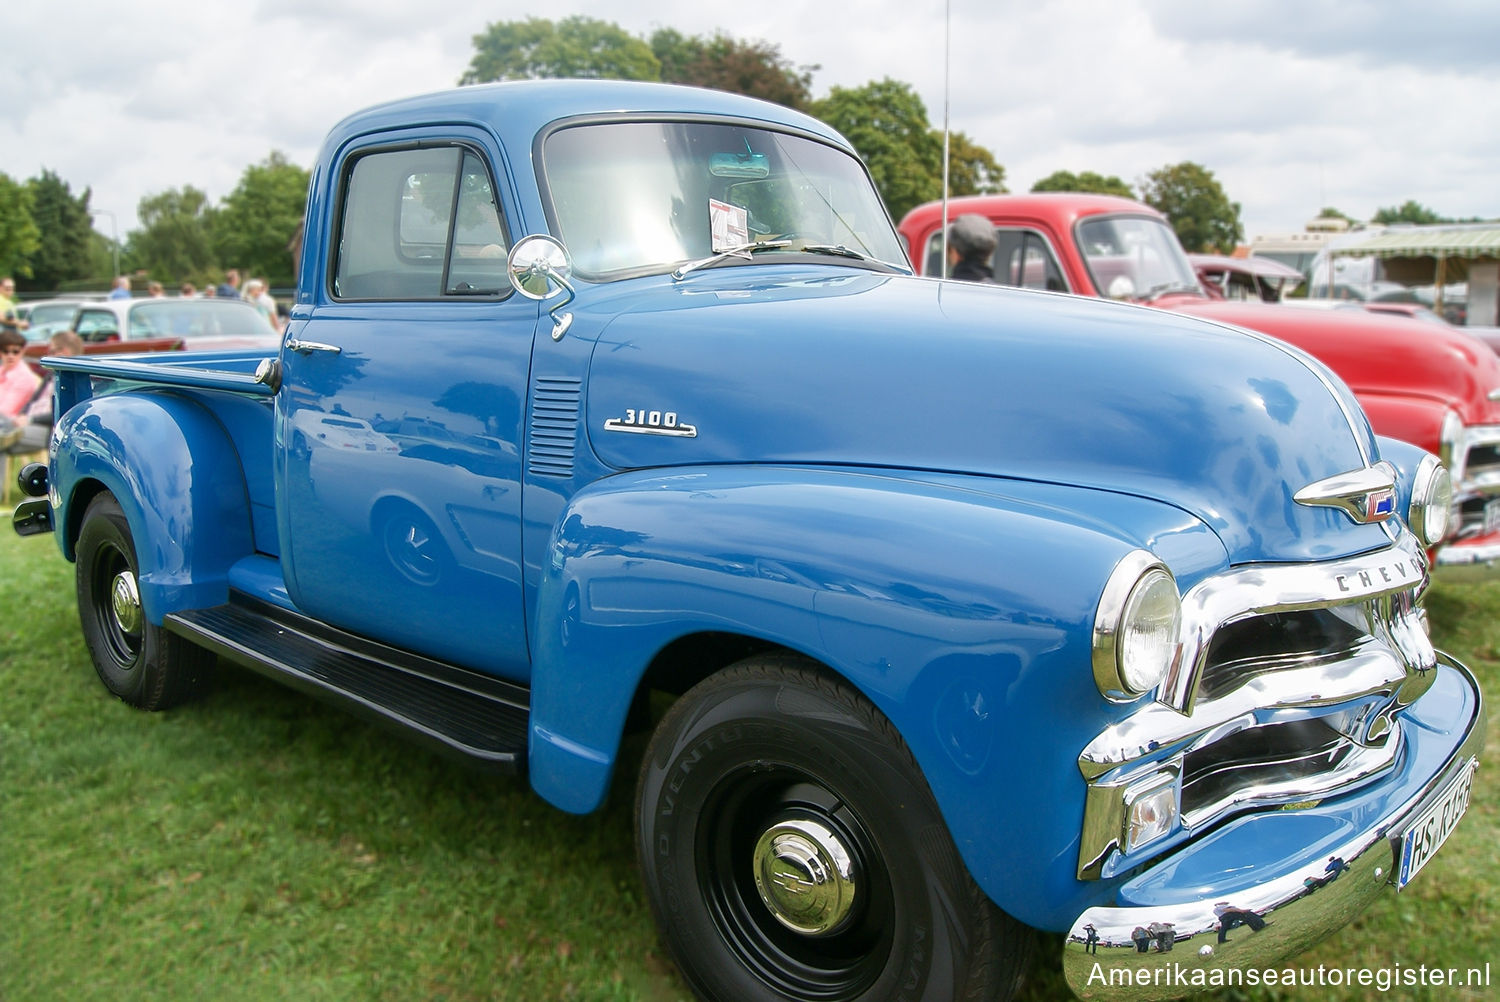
(838, 250)
(738, 250)
(1157, 291)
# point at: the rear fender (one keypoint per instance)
(964, 616)
(178, 479)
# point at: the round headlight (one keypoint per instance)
(1430, 515)
(1136, 627)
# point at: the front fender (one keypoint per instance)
(964, 616)
(178, 479)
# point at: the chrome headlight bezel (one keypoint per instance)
(1430, 512)
(1137, 627)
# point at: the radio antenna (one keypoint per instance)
(947, 36)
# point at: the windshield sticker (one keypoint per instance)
(730, 225)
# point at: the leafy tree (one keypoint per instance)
(756, 69)
(1189, 196)
(574, 47)
(1409, 212)
(887, 124)
(262, 216)
(1088, 181)
(175, 241)
(19, 236)
(66, 232)
(972, 169)
(1329, 212)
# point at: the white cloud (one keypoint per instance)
(1358, 105)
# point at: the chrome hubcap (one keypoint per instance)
(806, 876)
(125, 600)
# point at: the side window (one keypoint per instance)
(97, 325)
(420, 224)
(1023, 259)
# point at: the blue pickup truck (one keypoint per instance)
(954, 612)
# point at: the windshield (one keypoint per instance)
(638, 197)
(1134, 257)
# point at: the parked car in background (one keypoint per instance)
(51, 316)
(1261, 279)
(1438, 388)
(201, 324)
(47, 316)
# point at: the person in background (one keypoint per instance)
(188, 290)
(121, 289)
(971, 244)
(257, 296)
(37, 426)
(154, 290)
(230, 287)
(17, 383)
(8, 319)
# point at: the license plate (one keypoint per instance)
(1491, 515)
(1435, 824)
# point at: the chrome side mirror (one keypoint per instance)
(539, 268)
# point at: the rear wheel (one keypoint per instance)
(792, 851)
(141, 663)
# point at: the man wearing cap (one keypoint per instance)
(971, 244)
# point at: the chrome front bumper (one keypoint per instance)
(1273, 872)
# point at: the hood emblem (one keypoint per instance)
(652, 423)
(1366, 496)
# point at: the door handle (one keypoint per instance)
(309, 346)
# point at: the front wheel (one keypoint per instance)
(141, 663)
(792, 851)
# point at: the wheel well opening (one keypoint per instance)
(684, 663)
(83, 493)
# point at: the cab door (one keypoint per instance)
(399, 420)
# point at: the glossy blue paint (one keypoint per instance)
(183, 494)
(923, 486)
(980, 660)
(1009, 383)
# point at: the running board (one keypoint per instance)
(480, 718)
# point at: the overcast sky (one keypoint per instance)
(1294, 105)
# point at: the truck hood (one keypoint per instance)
(1375, 353)
(831, 366)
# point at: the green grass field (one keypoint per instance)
(257, 845)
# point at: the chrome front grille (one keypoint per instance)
(1475, 463)
(1288, 689)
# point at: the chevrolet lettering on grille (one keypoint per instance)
(1373, 578)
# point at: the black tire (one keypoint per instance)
(771, 762)
(143, 664)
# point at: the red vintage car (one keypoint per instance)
(1435, 387)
